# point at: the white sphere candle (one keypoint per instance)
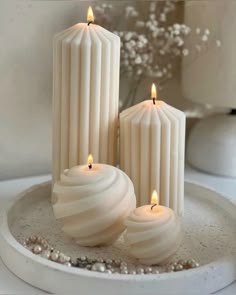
(92, 201)
(153, 233)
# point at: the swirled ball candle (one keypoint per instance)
(92, 202)
(153, 233)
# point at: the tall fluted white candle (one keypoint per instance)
(152, 145)
(85, 95)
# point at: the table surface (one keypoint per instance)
(10, 284)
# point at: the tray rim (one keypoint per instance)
(7, 239)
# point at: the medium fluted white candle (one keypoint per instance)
(153, 233)
(85, 95)
(152, 145)
(92, 201)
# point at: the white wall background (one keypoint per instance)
(26, 31)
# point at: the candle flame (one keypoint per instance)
(90, 159)
(154, 198)
(154, 91)
(90, 16)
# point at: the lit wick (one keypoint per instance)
(154, 199)
(154, 93)
(90, 17)
(90, 161)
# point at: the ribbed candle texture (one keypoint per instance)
(85, 96)
(152, 145)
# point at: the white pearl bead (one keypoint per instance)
(99, 267)
(67, 258)
(54, 256)
(37, 249)
(148, 270)
(45, 254)
(33, 239)
(179, 267)
(140, 270)
(132, 272)
(62, 258)
(198, 31)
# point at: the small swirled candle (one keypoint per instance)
(153, 233)
(92, 202)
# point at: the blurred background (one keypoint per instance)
(186, 47)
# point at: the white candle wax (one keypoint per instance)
(93, 202)
(85, 96)
(152, 145)
(153, 234)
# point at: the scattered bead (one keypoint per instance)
(33, 239)
(132, 272)
(62, 258)
(37, 249)
(218, 43)
(140, 270)
(170, 268)
(179, 267)
(67, 258)
(100, 267)
(148, 270)
(83, 258)
(38, 239)
(54, 256)
(181, 261)
(204, 38)
(198, 31)
(46, 254)
(123, 264)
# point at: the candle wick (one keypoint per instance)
(90, 166)
(90, 22)
(153, 206)
(154, 100)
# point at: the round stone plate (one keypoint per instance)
(209, 227)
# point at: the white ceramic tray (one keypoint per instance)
(209, 228)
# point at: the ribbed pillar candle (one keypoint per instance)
(85, 96)
(152, 145)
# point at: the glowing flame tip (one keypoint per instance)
(90, 16)
(154, 198)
